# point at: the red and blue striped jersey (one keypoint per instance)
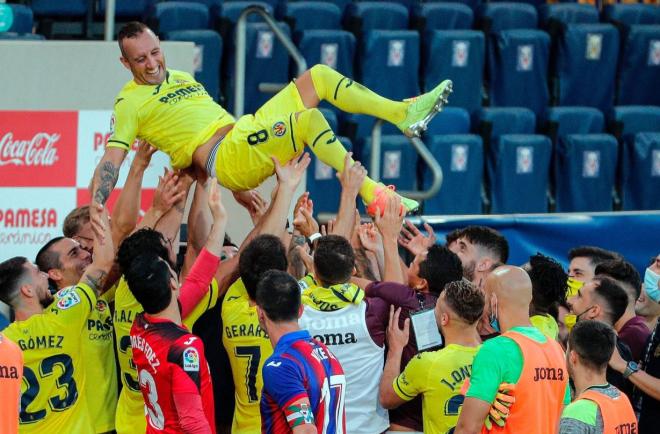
(302, 367)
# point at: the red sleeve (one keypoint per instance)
(192, 419)
(393, 293)
(197, 283)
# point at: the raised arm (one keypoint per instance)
(351, 178)
(106, 175)
(389, 226)
(104, 253)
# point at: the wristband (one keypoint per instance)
(314, 237)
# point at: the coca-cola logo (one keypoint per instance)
(38, 151)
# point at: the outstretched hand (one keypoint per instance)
(291, 173)
(397, 338)
(168, 192)
(389, 223)
(414, 240)
(352, 177)
(143, 155)
(215, 200)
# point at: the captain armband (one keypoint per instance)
(299, 415)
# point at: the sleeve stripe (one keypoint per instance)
(119, 141)
(294, 399)
(399, 389)
(91, 305)
(208, 305)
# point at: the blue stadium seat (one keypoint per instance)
(232, 10)
(342, 4)
(639, 66)
(517, 67)
(585, 67)
(492, 122)
(126, 9)
(472, 4)
(462, 62)
(451, 120)
(389, 66)
(462, 161)
(177, 15)
(331, 117)
(311, 15)
(573, 120)
(518, 167)
(322, 184)
(266, 62)
(207, 68)
(585, 169)
(59, 8)
(371, 15)
(641, 172)
(21, 36)
(631, 14)
(630, 120)
(442, 16)
(335, 48)
(15, 18)
(495, 17)
(398, 163)
(567, 13)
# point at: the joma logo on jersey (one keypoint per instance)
(8, 372)
(184, 92)
(556, 374)
(336, 338)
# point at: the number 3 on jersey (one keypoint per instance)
(66, 387)
(156, 416)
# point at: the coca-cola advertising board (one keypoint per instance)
(38, 149)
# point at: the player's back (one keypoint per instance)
(303, 366)
(53, 368)
(163, 352)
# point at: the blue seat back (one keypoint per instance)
(462, 61)
(177, 15)
(451, 120)
(575, 120)
(267, 61)
(518, 65)
(568, 13)
(631, 14)
(230, 12)
(495, 17)
(518, 167)
(639, 66)
(472, 4)
(312, 15)
(641, 172)
(16, 18)
(335, 48)
(59, 8)
(442, 16)
(373, 15)
(127, 8)
(636, 119)
(495, 121)
(208, 56)
(398, 162)
(585, 170)
(586, 65)
(462, 161)
(322, 184)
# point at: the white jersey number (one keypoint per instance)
(156, 417)
(336, 382)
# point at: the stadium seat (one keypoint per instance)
(15, 18)
(371, 15)
(492, 122)
(517, 68)
(631, 14)
(335, 48)
(62, 19)
(398, 163)
(585, 169)
(567, 13)
(177, 15)
(311, 15)
(638, 80)
(340, 3)
(463, 63)
(462, 162)
(630, 120)
(267, 61)
(389, 66)
(585, 66)
(472, 4)
(561, 121)
(641, 172)
(451, 120)
(230, 12)
(441, 16)
(59, 8)
(126, 9)
(495, 17)
(207, 60)
(518, 167)
(322, 184)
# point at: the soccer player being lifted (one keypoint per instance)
(174, 113)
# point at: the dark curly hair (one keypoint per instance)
(548, 284)
(465, 299)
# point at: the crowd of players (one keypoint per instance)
(310, 329)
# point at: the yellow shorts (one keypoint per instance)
(244, 160)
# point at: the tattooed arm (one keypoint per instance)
(106, 174)
(104, 253)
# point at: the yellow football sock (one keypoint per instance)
(352, 97)
(315, 132)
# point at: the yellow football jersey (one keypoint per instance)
(248, 347)
(438, 376)
(176, 116)
(129, 417)
(53, 386)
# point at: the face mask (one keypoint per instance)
(494, 323)
(573, 287)
(651, 285)
(571, 319)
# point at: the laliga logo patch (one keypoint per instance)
(279, 129)
(190, 360)
(101, 305)
(67, 298)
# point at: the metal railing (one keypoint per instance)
(241, 48)
(424, 153)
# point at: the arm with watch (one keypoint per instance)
(632, 372)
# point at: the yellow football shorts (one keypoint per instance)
(244, 160)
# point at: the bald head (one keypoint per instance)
(511, 285)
